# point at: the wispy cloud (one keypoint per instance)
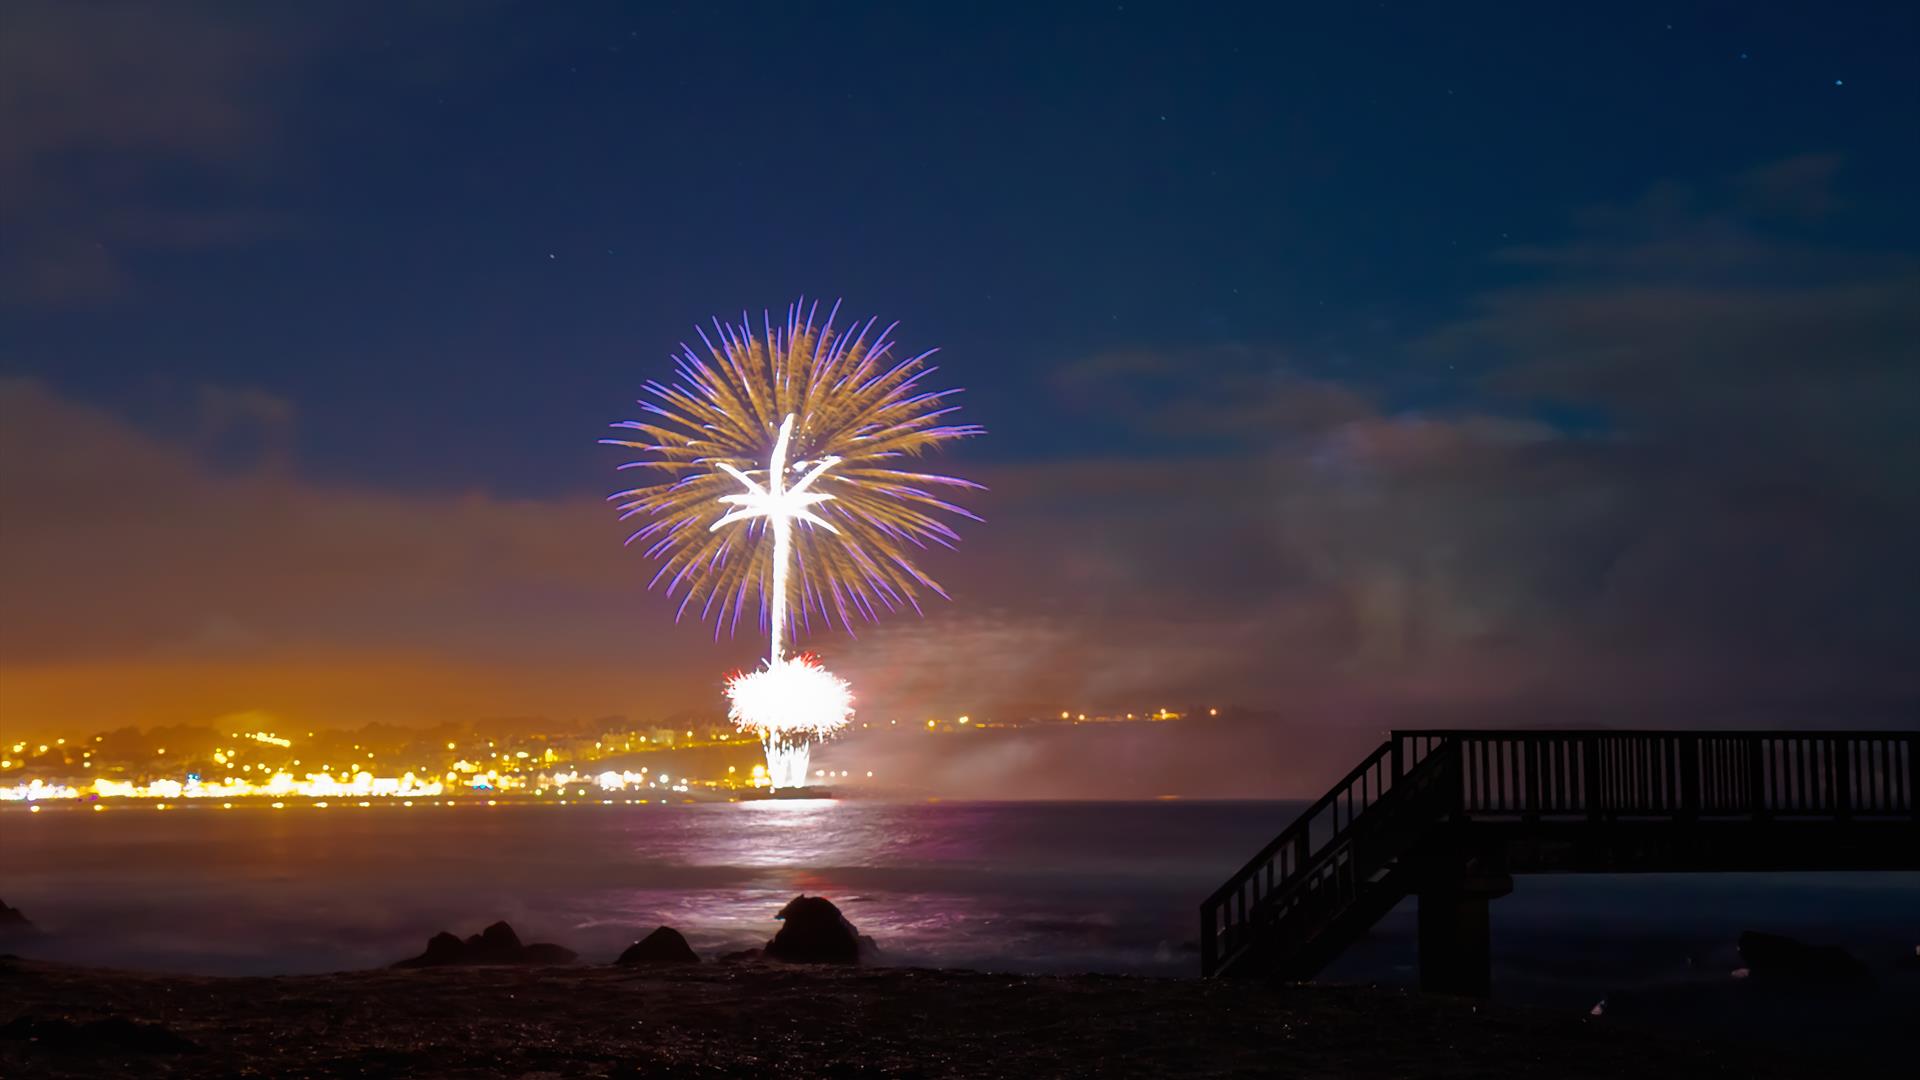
(1728, 517)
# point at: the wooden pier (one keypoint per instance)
(1451, 816)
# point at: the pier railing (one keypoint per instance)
(1758, 774)
(1353, 835)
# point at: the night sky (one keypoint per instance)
(1340, 360)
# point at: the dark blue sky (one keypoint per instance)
(461, 241)
(429, 249)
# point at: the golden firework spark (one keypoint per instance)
(855, 405)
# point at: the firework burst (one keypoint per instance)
(789, 705)
(859, 416)
(832, 415)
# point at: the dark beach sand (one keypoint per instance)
(760, 1019)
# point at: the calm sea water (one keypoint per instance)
(1055, 887)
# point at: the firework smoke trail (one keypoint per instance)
(842, 411)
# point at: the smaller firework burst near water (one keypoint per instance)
(789, 704)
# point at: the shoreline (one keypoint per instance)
(724, 1019)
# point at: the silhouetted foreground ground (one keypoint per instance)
(757, 1019)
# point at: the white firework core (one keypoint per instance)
(789, 704)
(781, 504)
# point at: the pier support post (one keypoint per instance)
(1455, 931)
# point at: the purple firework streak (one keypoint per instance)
(852, 399)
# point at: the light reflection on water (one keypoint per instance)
(784, 832)
(1011, 886)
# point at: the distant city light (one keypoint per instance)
(552, 767)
